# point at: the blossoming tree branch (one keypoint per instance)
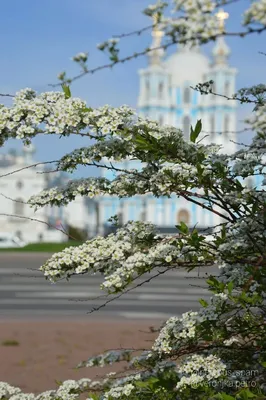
(200, 355)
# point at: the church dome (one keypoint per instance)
(187, 65)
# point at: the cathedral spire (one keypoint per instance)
(221, 51)
(155, 56)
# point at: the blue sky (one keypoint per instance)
(38, 38)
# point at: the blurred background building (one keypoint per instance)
(16, 189)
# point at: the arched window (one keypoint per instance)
(19, 206)
(160, 90)
(183, 216)
(187, 95)
(226, 124)
(143, 211)
(186, 126)
(227, 89)
(19, 184)
(161, 120)
(19, 235)
(147, 89)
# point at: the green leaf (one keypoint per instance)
(194, 133)
(66, 90)
(230, 287)
(142, 384)
(153, 379)
(87, 109)
(203, 302)
(246, 394)
(182, 228)
(93, 396)
(223, 232)
(213, 282)
(223, 396)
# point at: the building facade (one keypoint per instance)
(18, 183)
(166, 96)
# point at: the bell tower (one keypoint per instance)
(154, 81)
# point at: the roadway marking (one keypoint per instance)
(143, 315)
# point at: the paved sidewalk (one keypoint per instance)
(48, 350)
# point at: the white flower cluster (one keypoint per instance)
(174, 331)
(24, 396)
(117, 392)
(222, 296)
(60, 115)
(200, 369)
(61, 196)
(68, 390)
(178, 331)
(6, 390)
(48, 395)
(256, 13)
(107, 358)
(100, 254)
(140, 261)
(172, 178)
(120, 257)
(236, 273)
(230, 341)
(52, 112)
(107, 119)
(117, 148)
(80, 57)
(155, 9)
(163, 180)
(196, 24)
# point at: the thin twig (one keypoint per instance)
(6, 95)
(146, 51)
(226, 132)
(128, 290)
(15, 200)
(29, 166)
(136, 32)
(37, 220)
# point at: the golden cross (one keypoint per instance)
(222, 16)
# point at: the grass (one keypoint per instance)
(43, 247)
(10, 342)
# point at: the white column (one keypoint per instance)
(167, 213)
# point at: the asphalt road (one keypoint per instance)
(25, 293)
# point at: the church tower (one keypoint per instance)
(166, 93)
(154, 99)
(222, 114)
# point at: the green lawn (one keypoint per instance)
(45, 247)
